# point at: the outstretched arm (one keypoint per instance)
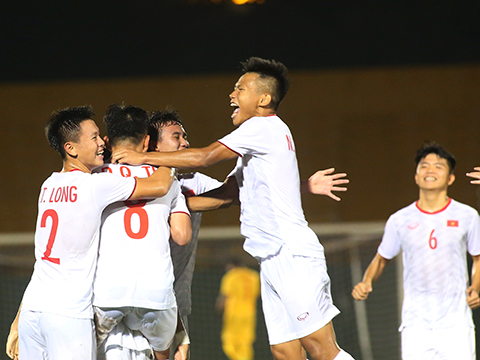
(219, 198)
(373, 272)
(473, 290)
(156, 185)
(323, 182)
(182, 159)
(475, 175)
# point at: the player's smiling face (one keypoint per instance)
(433, 173)
(245, 98)
(90, 146)
(173, 138)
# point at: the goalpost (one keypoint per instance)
(366, 329)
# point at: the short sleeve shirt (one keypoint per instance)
(184, 256)
(134, 264)
(267, 174)
(434, 247)
(66, 240)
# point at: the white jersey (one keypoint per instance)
(66, 240)
(134, 264)
(267, 175)
(184, 256)
(435, 273)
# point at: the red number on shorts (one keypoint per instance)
(53, 233)
(432, 241)
(136, 208)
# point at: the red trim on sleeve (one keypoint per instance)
(135, 178)
(189, 193)
(230, 149)
(435, 212)
(181, 212)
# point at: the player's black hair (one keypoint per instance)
(273, 72)
(64, 126)
(434, 148)
(125, 122)
(158, 120)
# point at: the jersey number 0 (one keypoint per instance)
(136, 208)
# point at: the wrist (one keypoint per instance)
(182, 338)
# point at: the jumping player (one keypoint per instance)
(55, 320)
(134, 240)
(204, 193)
(295, 285)
(434, 233)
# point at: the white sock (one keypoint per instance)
(343, 355)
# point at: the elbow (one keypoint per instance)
(182, 237)
(163, 191)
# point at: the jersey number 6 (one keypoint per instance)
(432, 241)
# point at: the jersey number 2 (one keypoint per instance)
(53, 233)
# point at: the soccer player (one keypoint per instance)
(434, 233)
(55, 319)
(134, 277)
(239, 291)
(167, 134)
(295, 285)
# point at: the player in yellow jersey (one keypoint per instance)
(239, 291)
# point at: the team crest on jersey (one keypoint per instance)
(303, 317)
(452, 223)
(413, 226)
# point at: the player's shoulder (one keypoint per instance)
(457, 206)
(402, 215)
(455, 203)
(405, 211)
(257, 122)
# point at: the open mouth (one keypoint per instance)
(235, 110)
(430, 178)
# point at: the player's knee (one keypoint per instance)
(343, 355)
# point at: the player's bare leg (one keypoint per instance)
(322, 344)
(161, 355)
(291, 350)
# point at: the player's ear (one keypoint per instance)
(69, 148)
(265, 100)
(146, 142)
(106, 140)
(451, 179)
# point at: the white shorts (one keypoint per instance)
(158, 326)
(55, 337)
(453, 343)
(123, 343)
(296, 297)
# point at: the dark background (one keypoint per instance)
(370, 82)
(109, 39)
